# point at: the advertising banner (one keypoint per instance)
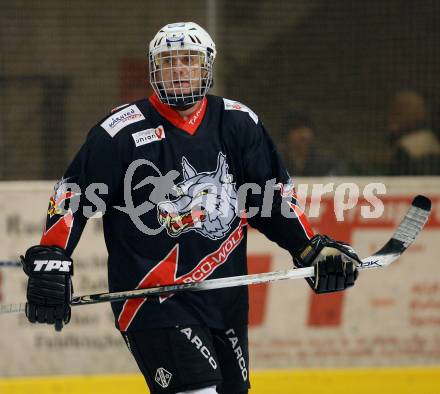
(391, 316)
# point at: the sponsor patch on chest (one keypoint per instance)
(120, 119)
(149, 135)
(236, 106)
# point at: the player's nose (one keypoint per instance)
(179, 66)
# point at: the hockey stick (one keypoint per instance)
(6, 263)
(403, 237)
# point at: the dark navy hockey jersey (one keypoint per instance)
(172, 192)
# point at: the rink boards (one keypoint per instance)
(391, 317)
(329, 381)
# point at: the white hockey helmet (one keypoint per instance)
(180, 40)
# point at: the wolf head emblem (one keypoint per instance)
(206, 202)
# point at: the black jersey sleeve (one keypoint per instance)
(279, 215)
(88, 185)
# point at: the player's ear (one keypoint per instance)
(187, 169)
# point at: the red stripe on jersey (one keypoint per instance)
(212, 261)
(157, 276)
(164, 273)
(302, 220)
(129, 311)
(59, 233)
(190, 124)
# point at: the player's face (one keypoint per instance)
(180, 72)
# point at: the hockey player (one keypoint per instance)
(186, 342)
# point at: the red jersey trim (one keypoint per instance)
(191, 124)
(59, 233)
(302, 218)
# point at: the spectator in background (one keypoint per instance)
(301, 155)
(416, 148)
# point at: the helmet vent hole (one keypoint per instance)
(192, 38)
(198, 39)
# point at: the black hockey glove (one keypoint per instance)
(335, 264)
(49, 289)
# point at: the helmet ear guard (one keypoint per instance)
(190, 41)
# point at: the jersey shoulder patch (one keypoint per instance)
(121, 118)
(231, 105)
